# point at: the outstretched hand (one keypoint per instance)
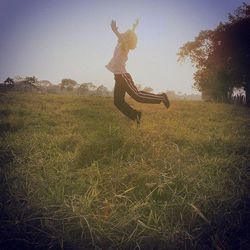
(113, 26)
(135, 24)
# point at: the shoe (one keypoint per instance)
(138, 118)
(166, 101)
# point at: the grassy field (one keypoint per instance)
(77, 174)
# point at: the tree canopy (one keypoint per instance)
(222, 56)
(68, 84)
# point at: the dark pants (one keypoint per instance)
(124, 83)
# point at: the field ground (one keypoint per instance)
(76, 174)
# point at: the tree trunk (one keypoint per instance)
(247, 89)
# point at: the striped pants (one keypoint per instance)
(124, 83)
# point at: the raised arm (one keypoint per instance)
(119, 36)
(135, 24)
(115, 29)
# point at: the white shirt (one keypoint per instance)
(117, 64)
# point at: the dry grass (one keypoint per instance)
(76, 174)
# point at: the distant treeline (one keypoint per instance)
(222, 59)
(32, 84)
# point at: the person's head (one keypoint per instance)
(131, 39)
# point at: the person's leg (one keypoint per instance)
(140, 96)
(119, 101)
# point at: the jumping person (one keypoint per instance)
(123, 80)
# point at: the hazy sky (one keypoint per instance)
(55, 39)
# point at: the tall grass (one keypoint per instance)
(77, 174)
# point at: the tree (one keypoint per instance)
(83, 89)
(148, 89)
(222, 57)
(31, 80)
(68, 84)
(91, 86)
(9, 81)
(238, 31)
(102, 91)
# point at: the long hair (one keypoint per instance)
(130, 39)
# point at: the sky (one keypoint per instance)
(56, 39)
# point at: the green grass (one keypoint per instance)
(77, 174)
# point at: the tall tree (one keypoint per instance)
(222, 56)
